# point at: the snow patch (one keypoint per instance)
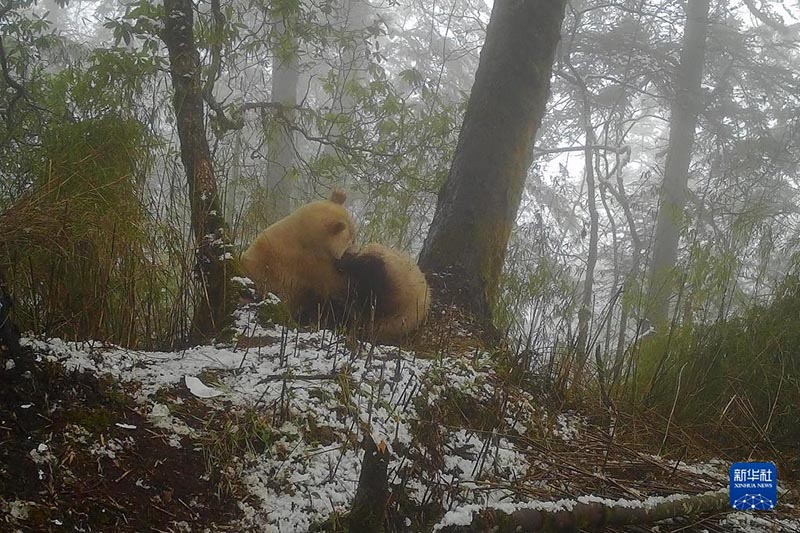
(200, 389)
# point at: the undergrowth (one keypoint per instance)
(737, 379)
(82, 256)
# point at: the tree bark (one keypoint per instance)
(214, 266)
(685, 107)
(368, 514)
(477, 206)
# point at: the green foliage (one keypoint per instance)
(395, 146)
(141, 21)
(740, 378)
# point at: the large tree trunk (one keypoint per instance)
(685, 107)
(214, 267)
(478, 204)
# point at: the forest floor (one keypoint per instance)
(263, 435)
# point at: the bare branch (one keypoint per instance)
(222, 121)
(252, 106)
(278, 110)
(14, 84)
(766, 18)
(563, 149)
(19, 91)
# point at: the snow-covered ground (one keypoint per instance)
(322, 397)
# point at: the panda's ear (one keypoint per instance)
(338, 196)
(335, 227)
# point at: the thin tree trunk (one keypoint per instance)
(353, 58)
(478, 204)
(213, 268)
(282, 146)
(233, 198)
(630, 278)
(352, 68)
(615, 284)
(585, 310)
(9, 333)
(685, 108)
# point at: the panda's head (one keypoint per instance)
(328, 226)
